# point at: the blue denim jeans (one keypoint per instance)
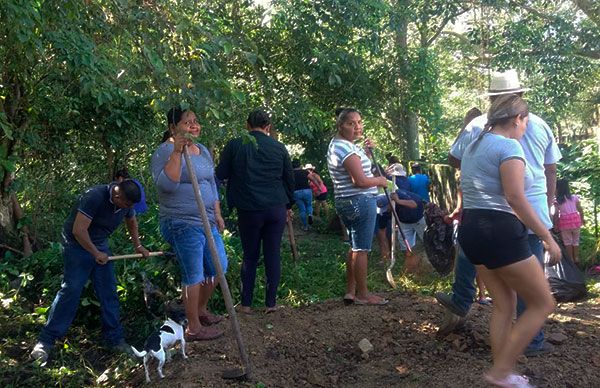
(79, 267)
(538, 250)
(303, 200)
(463, 289)
(192, 250)
(359, 214)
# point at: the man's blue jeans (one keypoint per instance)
(79, 266)
(303, 200)
(463, 289)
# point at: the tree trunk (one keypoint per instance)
(406, 124)
(8, 232)
(18, 215)
(412, 135)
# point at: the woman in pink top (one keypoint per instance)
(319, 190)
(568, 218)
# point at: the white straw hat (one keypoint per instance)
(505, 83)
(396, 169)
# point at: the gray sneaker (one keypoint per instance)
(446, 301)
(40, 353)
(450, 323)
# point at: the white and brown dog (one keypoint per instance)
(158, 344)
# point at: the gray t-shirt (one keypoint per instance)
(177, 199)
(480, 172)
(540, 149)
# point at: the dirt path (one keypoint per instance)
(317, 345)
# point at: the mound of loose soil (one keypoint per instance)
(317, 345)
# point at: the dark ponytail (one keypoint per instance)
(503, 109)
(563, 192)
(174, 116)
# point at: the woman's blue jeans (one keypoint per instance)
(303, 200)
(79, 267)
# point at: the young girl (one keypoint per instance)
(568, 218)
(319, 190)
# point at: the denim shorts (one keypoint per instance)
(193, 253)
(359, 214)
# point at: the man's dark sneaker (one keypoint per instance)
(122, 347)
(310, 219)
(546, 348)
(40, 353)
(451, 322)
(446, 301)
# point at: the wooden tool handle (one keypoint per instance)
(135, 255)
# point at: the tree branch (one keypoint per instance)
(12, 249)
(443, 24)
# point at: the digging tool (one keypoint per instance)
(290, 228)
(246, 372)
(388, 274)
(139, 255)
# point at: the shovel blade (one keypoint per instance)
(234, 374)
(390, 278)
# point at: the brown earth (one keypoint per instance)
(317, 345)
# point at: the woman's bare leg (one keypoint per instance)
(505, 301)
(527, 279)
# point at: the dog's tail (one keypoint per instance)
(138, 353)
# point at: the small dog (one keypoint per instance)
(158, 344)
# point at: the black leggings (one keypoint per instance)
(266, 226)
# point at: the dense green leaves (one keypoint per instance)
(87, 93)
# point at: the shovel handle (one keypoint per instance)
(135, 256)
(292, 239)
(235, 325)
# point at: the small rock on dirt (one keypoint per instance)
(452, 337)
(316, 379)
(333, 379)
(402, 371)
(522, 359)
(557, 338)
(365, 345)
(581, 334)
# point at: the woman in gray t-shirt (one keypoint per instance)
(493, 235)
(180, 223)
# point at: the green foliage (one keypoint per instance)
(85, 85)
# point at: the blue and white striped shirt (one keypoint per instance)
(338, 151)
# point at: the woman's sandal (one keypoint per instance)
(372, 301)
(210, 319)
(510, 381)
(348, 299)
(205, 335)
